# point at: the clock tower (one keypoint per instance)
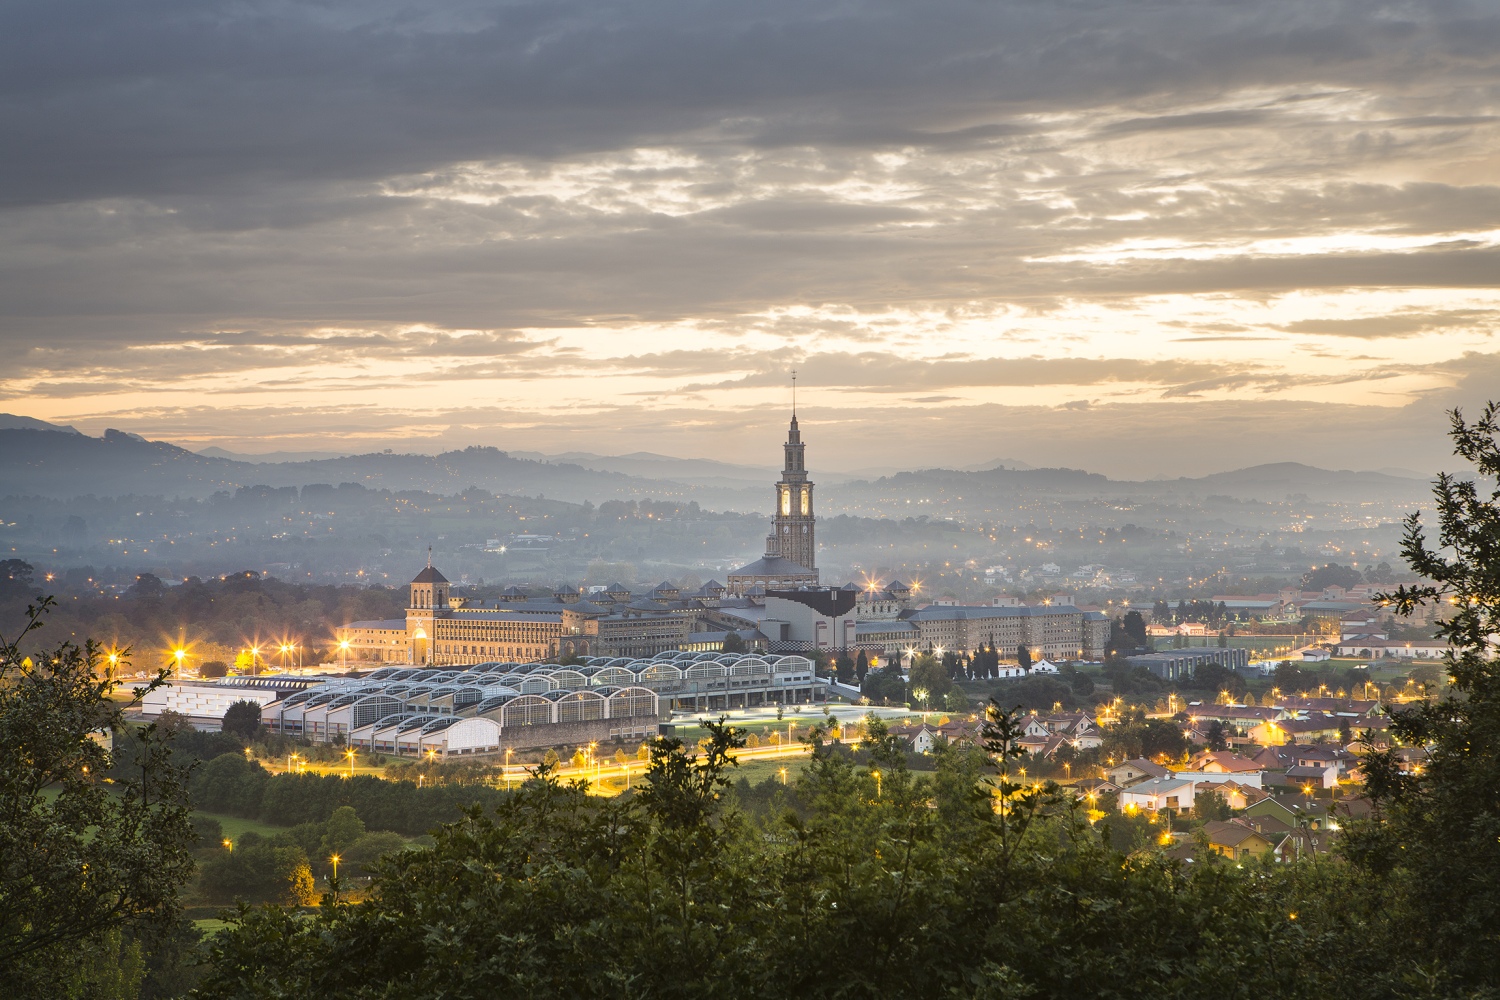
(793, 526)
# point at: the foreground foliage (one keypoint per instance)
(968, 884)
(93, 843)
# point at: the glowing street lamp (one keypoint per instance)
(344, 653)
(349, 755)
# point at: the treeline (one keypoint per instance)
(214, 617)
(237, 786)
(866, 881)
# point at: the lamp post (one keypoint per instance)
(877, 783)
(344, 653)
(508, 752)
(349, 755)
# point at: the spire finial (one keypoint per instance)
(794, 393)
(429, 557)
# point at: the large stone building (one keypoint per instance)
(443, 630)
(791, 557)
(1053, 631)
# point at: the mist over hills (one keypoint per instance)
(118, 504)
(45, 460)
(46, 463)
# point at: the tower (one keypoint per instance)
(429, 602)
(794, 525)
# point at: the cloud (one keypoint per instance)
(375, 216)
(1396, 325)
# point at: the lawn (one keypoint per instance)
(235, 827)
(758, 771)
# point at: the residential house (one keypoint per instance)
(1317, 775)
(1133, 771)
(1235, 839)
(1272, 733)
(1094, 788)
(1156, 794)
(1236, 795)
(1273, 808)
(1224, 762)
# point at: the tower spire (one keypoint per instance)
(794, 394)
(429, 557)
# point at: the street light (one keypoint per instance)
(344, 653)
(349, 755)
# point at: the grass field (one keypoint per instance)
(758, 771)
(235, 827)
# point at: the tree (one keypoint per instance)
(929, 674)
(861, 668)
(884, 686)
(1023, 657)
(79, 858)
(1215, 677)
(844, 667)
(733, 643)
(15, 578)
(341, 831)
(1289, 677)
(242, 719)
(1332, 575)
(1209, 804)
(1441, 826)
(213, 668)
(1135, 627)
(1216, 736)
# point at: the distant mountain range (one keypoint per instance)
(272, 457)
(42, 459)
(11, 422)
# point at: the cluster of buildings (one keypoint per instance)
(773, 604)
(493, 707)
(1271, 791)
(1289, 825)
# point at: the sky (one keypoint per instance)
(1142, 238)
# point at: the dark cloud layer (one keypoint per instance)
(348, 213)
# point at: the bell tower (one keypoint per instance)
(794, 524)
(429, 602)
